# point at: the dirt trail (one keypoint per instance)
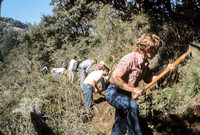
(188, 122)
(103, 115)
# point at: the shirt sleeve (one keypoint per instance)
(74, 68)
(139, 60)
(54, 69)
(88, 68)
(122, 66)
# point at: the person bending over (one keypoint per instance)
(89, 85)
(130, 70)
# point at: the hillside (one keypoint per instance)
(60, 102)
(10, 32)
(31, 102)
(13, 23)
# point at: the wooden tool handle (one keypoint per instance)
(164, 72)
(114, 59)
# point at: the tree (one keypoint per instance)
(0, 6)
(10, 40)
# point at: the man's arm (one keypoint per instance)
(94, 85)
(116, 79)
(88, 68)
(150, 77)
(52, 71)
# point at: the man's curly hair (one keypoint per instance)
(148, 42)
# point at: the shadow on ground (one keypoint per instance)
(172, 124)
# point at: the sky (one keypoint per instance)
(26, 11)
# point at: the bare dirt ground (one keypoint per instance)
(103, 115)
(187, 123)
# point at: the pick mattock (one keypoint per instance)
(194, 51)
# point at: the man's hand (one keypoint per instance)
(95, 90)
(171, 66)
(138, 90)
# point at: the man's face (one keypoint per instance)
(94, 62)
(150, 54)
(101, 65)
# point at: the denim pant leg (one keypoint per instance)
(88, 95)
(44, 71)
(103, 83)
(126, 116)
(57, 74)
(82, 75)
(119, 126)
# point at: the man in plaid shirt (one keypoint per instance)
(130, 70)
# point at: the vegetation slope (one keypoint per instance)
(99, 29)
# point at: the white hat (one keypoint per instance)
(102, 63)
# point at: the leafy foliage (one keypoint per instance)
(10, 33)
(13, 23)
(178, 98)
(90, 29)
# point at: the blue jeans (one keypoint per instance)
(44, 72)
(87, 89)
(56, 73)
(82, 75)
(126, 114)
(103, 83)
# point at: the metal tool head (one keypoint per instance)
(195, 50)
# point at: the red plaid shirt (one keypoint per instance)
(133, 68)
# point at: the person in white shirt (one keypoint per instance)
(89, 85)
(71, 68)
(58, 71)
